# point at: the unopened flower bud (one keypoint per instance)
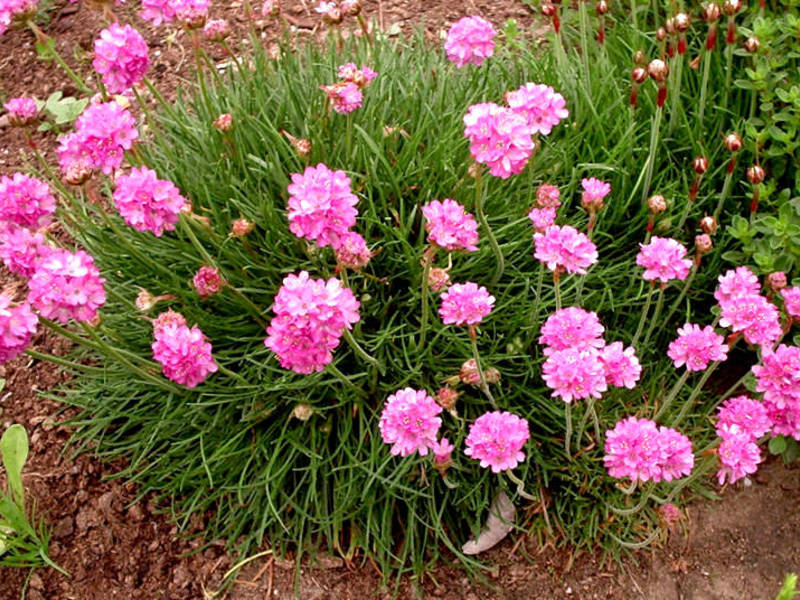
(242, 227)
(301, 145)
(731, 7)
(601, 7)
(549, 10)
(709, 225)
(446, 398)
(216, 30)
(752, 45)
(77, 174)
(755, 174)
(491, 375)
(438, 279)
(207, 281)
(669, 514)
(639, 57)
(700, 165)
(469, 373)
(302, 412)
(350, 8)
(777, 281)
(661, 34)
(270, 8)
(694, 64)
(733, 142)
(711, 12)
(669, 25)
(658, 70)
(639, 74)
(657, 204)
(274, 51)
(224, 122)
(703, 243)
(145, 300)
(682, 22)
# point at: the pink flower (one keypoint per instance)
(11, 10)
(21, 111)
(449, 226)
(158, 11)
(499, 138)
(270, 8)
(743, 416)
(496, 440)
(663, 260)
(148, 203)
(207, 281)
(594, 190)
(622, 368)
(736, 283)
(677, 458)
(167, 319)
(571, 327)
(361, 77)
(345, 96)
(409, 422)
(352, 251)
(120, 56)
(17, 326)
(216, 30)
(778, 376)
(102, 134)
(738, 456)
(632, 450)
(785, 421)
(184, 353)
(565, 248)
(574, 374)
(25, 201)
(696, 347)
(321, 206)
(21, 250)
(791, 301)
(547, 196)
(67, 285)
(465, 304)
(542, 218)
(540, 105)
(442, 451)
(755, 316)
(470, 41)
(191, 13)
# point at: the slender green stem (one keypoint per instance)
(728, 70)
(62, 362)
(584, 27)
(476, 355)
(633, 15)
(557, 288)
(568, 429)
(726, 188)
(520, 486)
(427, 259)
(656, 314)
(626, 512)
(686, 285)
(49, 46)
(645, 310)
(498, 254)
(672, 394)
(343, 378)
(348, 336)
(675, 105)
(590, 411)
(651, 156)
(695, 392)
(707, 54)
(226, 371)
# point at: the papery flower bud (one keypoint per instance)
(302, 412)
(658, 70)
(331, 13)
(207, 281)
(639, 57)
(669, 514)
(446, 397)
(21, 111)
(700, 165)
(549, 10)
(77, 174)
(682, 22)
(694, 64)
(301, 145)
(711, 12)
(752, 45)
(350, 8)
(639, 74)
(438, 279)
(661, 34)
(731, 7)
(274, 51)
(491, 375)
(709, 225)
(216, 30)
(145, 300)
(669, 26)
(224, 122)
(733, 142)
(469, 373)
(755, 174)
(657, 204)
(242, 227)
(270, 8)
(777, 281)
(601, 7)
(703, 243)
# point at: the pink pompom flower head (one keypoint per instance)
(663, 260)
(21, 250)
(352, 251)
(25, 201)
(791, 301)
(184, 353)
(564, 248)
(594, 192)
(548, 196)
(410, 422)
(498, 138)
(470, 41)
(542, 218)
(753, 315)
(571, 327)
(541, 106)
(148, 203)
(158, 11)
(739, 457)
(778, 376)
(622, 367)
(321, 206)
(67, 285)
(696, 347)
(496, 440)
(449, 226)
(361, 77)
(15, 10)
(344, 96)
(743, 416)
(17, 326)
(120, 56)
(465, 304)
(21, 111)
(192, 14)
(207, 281)
(737, 283)
(575, 374)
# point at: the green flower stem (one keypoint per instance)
(656, 315)
(473, 338)
(686, 285)
(348, 336)
(707, 54)
(534, 319)
(675, 105)
(62, 362)
(584, 29)
(568, 432)
(46, 42)
(520, 486)
(651, 156)
(726, 187)
(557, 288)
(636, 545)
(590, 411)
(695, 392)
(626, 512)
(343, 378)
(633, 15)
(645, 310)
(672, 393)
(427, 259)
(226, 371)
(498, 254)
(728, 69)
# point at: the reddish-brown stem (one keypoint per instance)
(556, 22)
(682, 44)
(711, 40)
(756, 197)
(634, 95)
(693, 190)
(730, 37)
(662, 95)
(732, 164)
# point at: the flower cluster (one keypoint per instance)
(542, 107)
(449, 226)
(409, 421)
(594, 191)
(663, 260)
(465, 304)
(696, 347)
(496, 440)
(21, 111)
(207, 281)
(25, 201)
(499, 138)
(791, 301)
(470, 41)
(191, 13)
(120, 57)
(352, 251)
(347, 95)
(183, 352)
(745, 310)
(564, 248)
(67, 285)
(148, 203)
(17, 325)
(543, 213)
(15, 9)
(778, 378)
(310, 318)
(216, 30)
(642, 451)
(21, 249)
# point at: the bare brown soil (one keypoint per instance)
(117, 545)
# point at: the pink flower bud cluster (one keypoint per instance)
(120, 56)
(543, 214)
(449, 226)
(21, 111)
(351, 251)
(470, 41)
(496, 440)
(207, 281)
(579, 364)
(696, 347)
(564, 248)
(594, 192)
(642, 451)
(409, 421)
(663, 260)
(310, 318)
(17, 326)
(465, 304)
(148, 203)
(347, 95)
(743, 308)
(25, 201)
(184, 353)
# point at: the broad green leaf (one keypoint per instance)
(777, 445)
(14, 452)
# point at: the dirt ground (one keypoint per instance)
(114, 546)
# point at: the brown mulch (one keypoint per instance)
(117, 546)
